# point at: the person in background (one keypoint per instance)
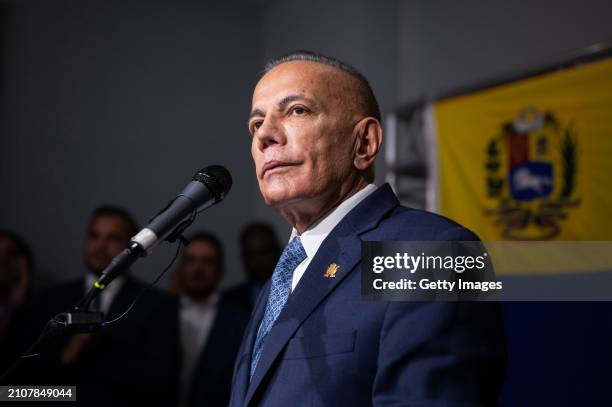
(210, 329)
(16, 267)
(260, 251)
(131, 360)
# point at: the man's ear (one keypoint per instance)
(368, 139)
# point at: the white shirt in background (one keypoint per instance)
(196, 321)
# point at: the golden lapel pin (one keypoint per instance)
(331, 271)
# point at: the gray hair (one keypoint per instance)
(368, 100)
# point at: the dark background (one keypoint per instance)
(120, 102)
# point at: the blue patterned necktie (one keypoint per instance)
(291, 257)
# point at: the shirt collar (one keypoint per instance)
(313, 237)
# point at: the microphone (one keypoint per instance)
(208, 187)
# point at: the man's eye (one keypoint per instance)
(299, 110)
(255, 125)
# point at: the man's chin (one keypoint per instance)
(198, 293)
(278, 198)
(279, 202)
(96, 269)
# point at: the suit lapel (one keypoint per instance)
(214, 353)
(343, 247)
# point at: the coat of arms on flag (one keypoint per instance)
(531, 173)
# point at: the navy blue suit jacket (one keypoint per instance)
(329, 347)
(211, 381)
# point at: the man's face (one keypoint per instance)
(7, 250)
(260, 253)
(200, 270)
(108, 236)
(7, 267)
(301, 125)
(14, 273)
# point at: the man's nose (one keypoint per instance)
(269, 133)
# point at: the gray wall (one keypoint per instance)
(120, 102)
(448, 45)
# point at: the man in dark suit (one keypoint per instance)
(209, 327)
(260, 250)
(132, 360)
(16, 268)
(312, 340)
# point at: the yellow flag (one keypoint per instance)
(531, 160)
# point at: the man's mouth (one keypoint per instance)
(274, 166)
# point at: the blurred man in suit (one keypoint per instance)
(16, 266)
(312, 340)
(260, 250)
(131, 360)
(210, 328)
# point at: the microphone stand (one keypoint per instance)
(80, 319)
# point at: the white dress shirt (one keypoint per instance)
(313, 237)
(196, 321)
(107, 296)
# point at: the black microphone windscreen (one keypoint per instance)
(216, 178)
